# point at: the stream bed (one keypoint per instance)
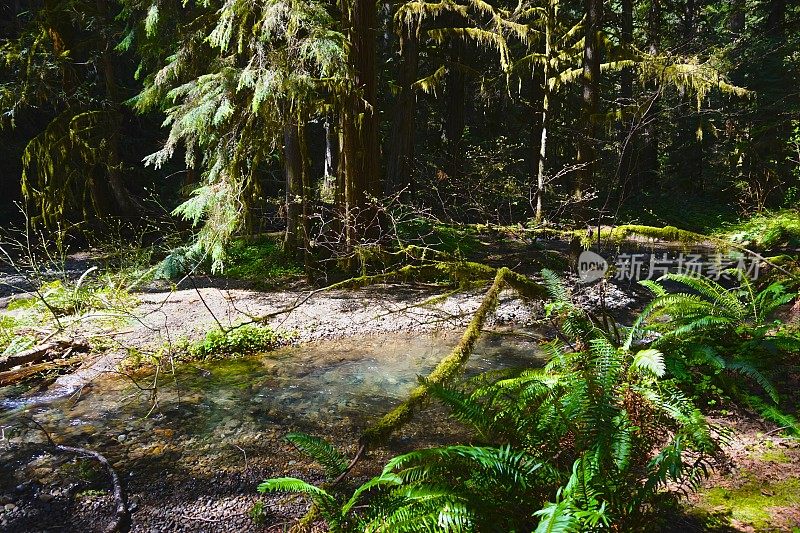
(214, 430)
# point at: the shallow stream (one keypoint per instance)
(193, 453)
(335, 386)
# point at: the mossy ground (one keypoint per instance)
(455, 239)
(754, 504)
(761, 492)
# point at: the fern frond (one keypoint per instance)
(747, 369)
(320, 450)
(650, 360)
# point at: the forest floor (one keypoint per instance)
(182, 484)
(759, 488)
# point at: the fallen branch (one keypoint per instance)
(121, 515)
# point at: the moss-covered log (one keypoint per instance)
(446, 369)
(618, 234)
(667, 233)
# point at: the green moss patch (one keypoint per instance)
(451, 239)
(775, 456)
(752, 503)
(244, 340)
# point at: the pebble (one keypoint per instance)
(122, 437)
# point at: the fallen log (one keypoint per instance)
(10, 377)
(40, 353)
(379, 432)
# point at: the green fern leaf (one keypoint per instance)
(321, 451)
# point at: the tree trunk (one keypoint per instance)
(545, 112)
(590, 81)
(627, 141)
(776, 19)
(454, 100)
(293, 170)
(401, 141)
(648, 171)
(736, 19)
(690, 152)
(306, 193)
(125, 204)
(330, 169)
(360, 150)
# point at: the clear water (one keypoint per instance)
(320, 387)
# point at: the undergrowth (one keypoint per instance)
(768, 231)
(243, 340)
(58, 305)
(693, 214)
(260, 260)
(607, 435)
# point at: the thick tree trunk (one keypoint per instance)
(736, 19)
(454, 123)
(401, 141)
(776, 19)
(293, 170)
(626, 137)
(590, 81)
(360, 149)
(125, 203)
(690, 153)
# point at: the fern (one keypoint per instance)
(320, 450)
(651, 360)
(601, 433)
(556, 518)
(718, 329)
